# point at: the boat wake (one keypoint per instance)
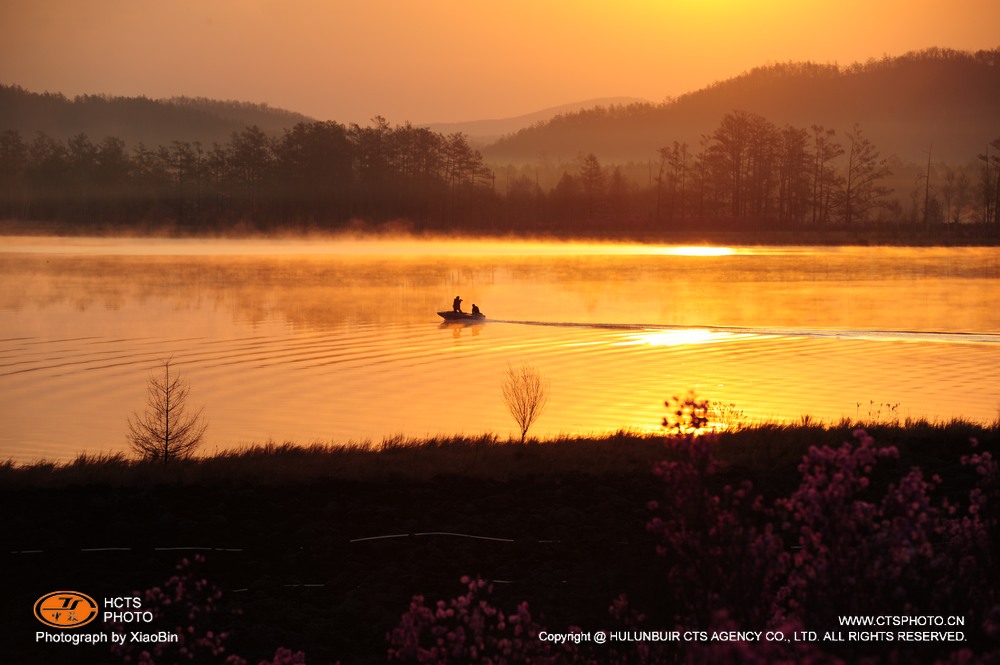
(772, 331)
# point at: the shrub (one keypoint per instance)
(190, 606)
(468, 629)
(835, 546)
(845, 541)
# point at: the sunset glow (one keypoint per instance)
(447, 60)
(311, 309)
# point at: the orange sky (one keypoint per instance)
(451, 60)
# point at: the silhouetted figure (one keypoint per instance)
(457, 305)
(475, 310)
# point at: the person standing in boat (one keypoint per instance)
(457, 304)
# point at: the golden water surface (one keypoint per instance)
(338, 340)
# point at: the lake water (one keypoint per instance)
(337, 341)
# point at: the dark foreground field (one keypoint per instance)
(320, 550)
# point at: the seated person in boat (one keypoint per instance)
(475, 310)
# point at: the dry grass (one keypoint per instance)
(757, 450)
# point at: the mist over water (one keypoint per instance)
(337, 341)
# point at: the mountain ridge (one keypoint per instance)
(936, 97)
(937, 100)
(488, 130)
(136, 120)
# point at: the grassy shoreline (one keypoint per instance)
(754, 449)
(321, 548)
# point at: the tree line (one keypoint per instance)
(751, 171)
(318, 173)
(748, 174)
(751, 175)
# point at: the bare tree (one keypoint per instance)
(525, 395)
(166, 431)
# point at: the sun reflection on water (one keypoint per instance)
(695, 251)
(347, 245)
(677, 337)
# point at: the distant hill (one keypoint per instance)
(136, 119)
(939, 99)
(488, 131)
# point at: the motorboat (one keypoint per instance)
(462, 317)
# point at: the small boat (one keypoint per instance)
(463, 317)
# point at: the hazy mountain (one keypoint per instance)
(939, 100)
(162, 121)
(136, 119)
(488, 131)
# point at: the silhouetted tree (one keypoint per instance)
(793, 176)
(165, 431)
(671, 181)
(314, 169)
(861, 181)
(47, 174)
(112, 165)
(182, 168)
(523, 201)
(566, 198)
(741, 156)
(250, 158)
(824, 177)
(727, 159)
(990, 187)
(592, 180)
(703, 184)
(463, 169)
(619, 192)
(747, 173)
(525, 394)
(371, 166)
(13, 170)
(146, 172)
(954, 191)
